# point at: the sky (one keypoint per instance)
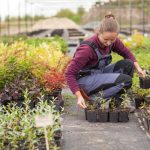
(47, 7)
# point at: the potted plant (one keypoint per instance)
(113, 113)
(54, 81)
(139, 97)
(103, 111)
(91, 112)
(145, 81)
(124, 108)
(147, 99)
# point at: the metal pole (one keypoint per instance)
(19, 27)
(0, 25)
(143, 17)
(33, 20)
(130, 6)
(26, 19)
(119, 14)
(32, 16)
(8, 21)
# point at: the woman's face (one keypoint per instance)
(107, 38)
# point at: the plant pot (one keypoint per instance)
(23, 146)
(32, 104)
(113, 116)
(19, 104)
(55, 94)
(145, 82)
(102, 116)
(92, 116)
(147, 99)
(85, 110)
(42, 144)
(59, 103)
(124, 116)
(57, 135)
(138, 102)
(7, 146)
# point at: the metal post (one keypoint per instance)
(119, 13)
(19, 19)
(0, 25)
(143, 17)
(32, 16)
(33, 21)
(26, 19)
(8, 21)
(130, 6)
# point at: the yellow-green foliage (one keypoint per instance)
(141, 51)
(136, 40)
(42, 57)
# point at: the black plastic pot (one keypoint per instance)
(55, 94)
(145, 82)
(23, 146)
(124, 116)
(19, 104)
(113, 116)
(85, 110)
(59, 104)
(42, 144)
(92, 115)
(8, 146)
(57, 135)
(147, 99)
(138, 102)
(102, 116)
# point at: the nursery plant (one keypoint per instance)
(145, 81)
(18, 129)
(91, 111)
(113, 113)
(102, 107)
(124, 108)
(103, 111)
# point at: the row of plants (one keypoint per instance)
(40, 69)
(140, 46)
(35, 42)
(18, 128)
(43, 64)
(101, 110)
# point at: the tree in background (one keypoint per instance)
(76, 17)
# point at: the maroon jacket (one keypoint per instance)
(86, 56)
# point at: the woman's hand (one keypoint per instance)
(81, 102)
(141, 72)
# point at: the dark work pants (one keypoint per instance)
(110, 81)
